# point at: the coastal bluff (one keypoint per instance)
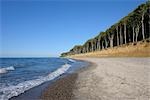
(130, 36)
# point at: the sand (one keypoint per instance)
(107, 79)
(114, 79)
(62, 89)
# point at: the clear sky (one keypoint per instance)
(33, 28)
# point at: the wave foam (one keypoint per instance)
(5, 70)
(11, 91)
(71, 60)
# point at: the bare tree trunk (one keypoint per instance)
(106, 44)
(149, 25)
(133, 33)
(121, 39)
(92, 46)
(137, 32)
(98, 45)
(85, 49)
(125, 33)
(117, 36)
(102, 44)
(143, 26)
(111, 37)
(88, 48)
(82, 50)
(129, 36)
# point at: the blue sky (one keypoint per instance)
(47, 28)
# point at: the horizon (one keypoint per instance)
(30, 29)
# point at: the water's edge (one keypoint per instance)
(36, 91)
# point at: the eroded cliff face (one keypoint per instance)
(132, 28)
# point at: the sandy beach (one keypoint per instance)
(114, 79)
(105, 79)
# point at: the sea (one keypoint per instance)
(18, 75)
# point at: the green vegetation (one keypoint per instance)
(130, 29)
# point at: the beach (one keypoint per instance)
(115, 79)
(120, 78)
(59, 86)
(62, 88)
(76, 50)
(107, 79)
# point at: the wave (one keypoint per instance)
(12, 91)
(5, 70)
(71, 60)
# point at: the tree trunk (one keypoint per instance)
(83, 49)
(143, 26)
(92, 46)
(125, 33)
(111, 37)
(149, 25)
(88, 48)
(121, 39)
(137, 32)
(106, 44)
(117, 36)
(102, 44)
(133, 33)
(98, 45)
(129, 36)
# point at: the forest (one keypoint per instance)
(130, 29)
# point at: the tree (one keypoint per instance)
(137, 32)
(125, 33)
(129, 28)
(111, 37)
(143, 11)
(117, 35)
(110, 33)
(121, 37)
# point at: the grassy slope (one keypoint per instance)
(140, 49)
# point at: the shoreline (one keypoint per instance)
(104, 79)
(36, 93)
(63, 88)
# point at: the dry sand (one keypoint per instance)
(114, 79)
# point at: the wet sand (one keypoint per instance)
(62, 89)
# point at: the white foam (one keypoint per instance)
(5, 70)
(71, 60)
(11, 91)
(2, 70)
(10, 68)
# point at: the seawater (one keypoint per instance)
(18, 75)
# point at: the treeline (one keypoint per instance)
(130, 29)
